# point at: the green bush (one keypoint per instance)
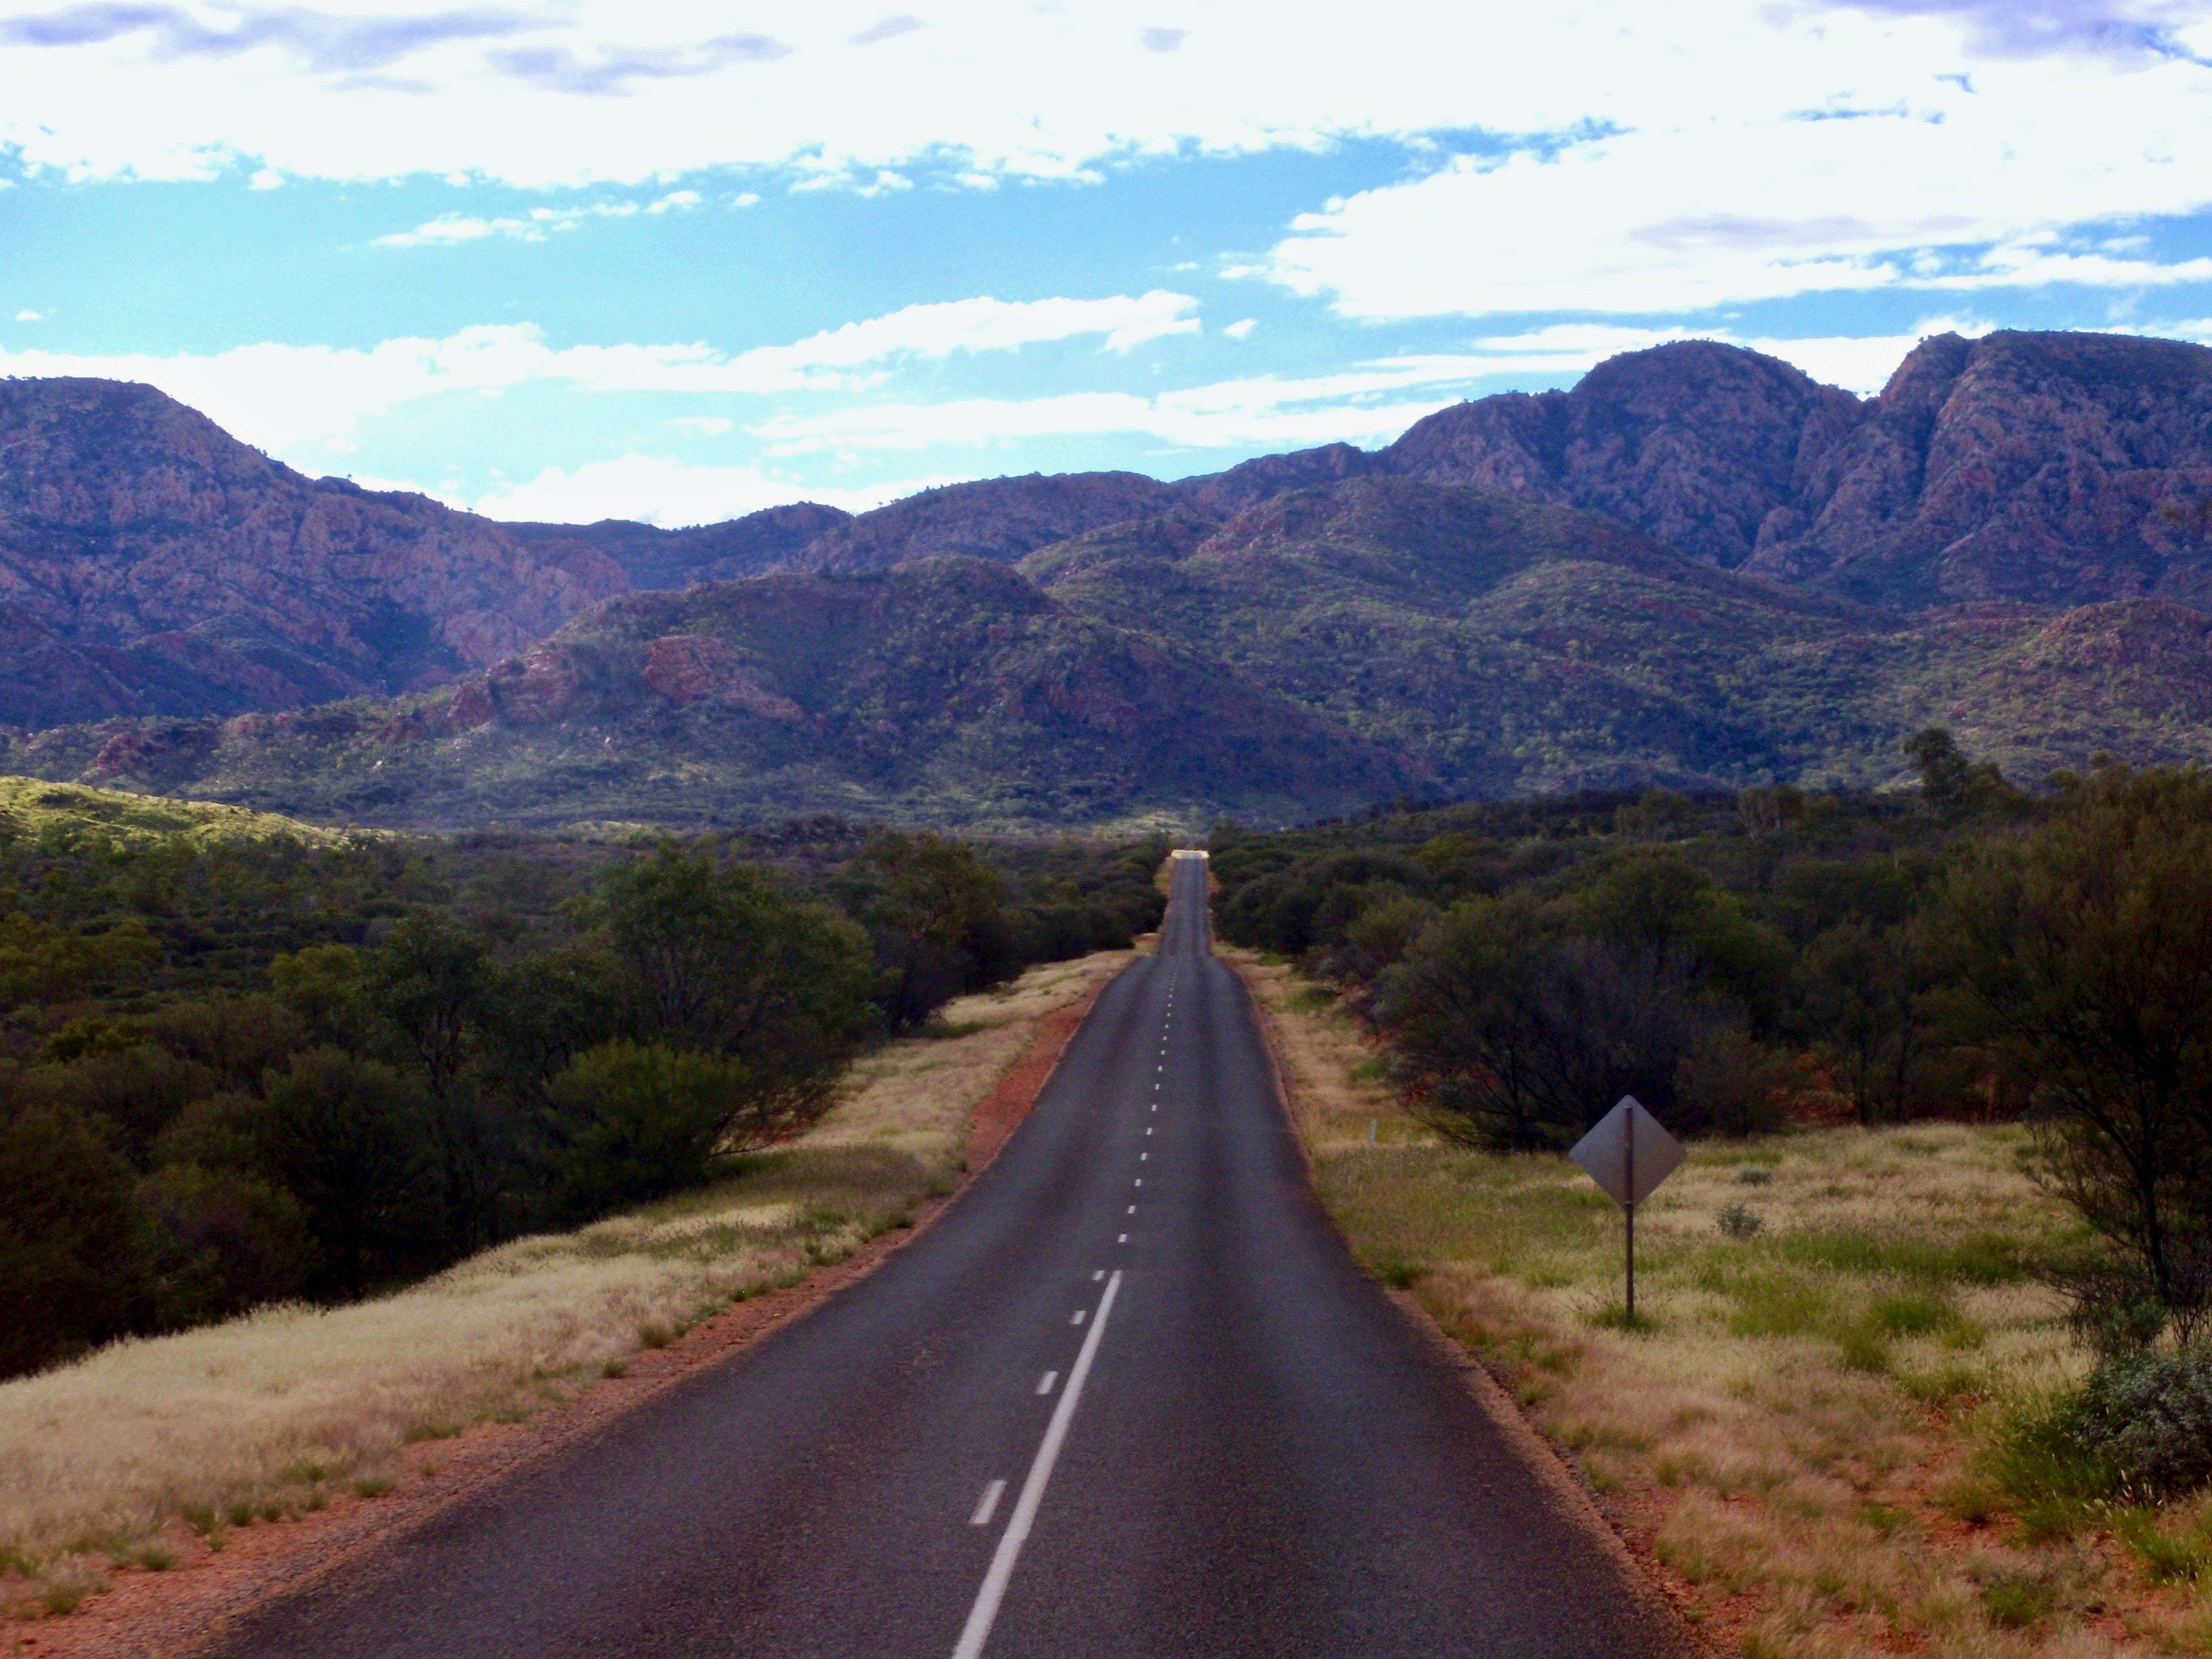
(2149, 1416)
(225, 1242)
(72, 1257)
(631, 1122)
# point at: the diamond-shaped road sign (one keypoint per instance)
(1629, 1152)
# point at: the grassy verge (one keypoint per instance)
(112, 1463)
(1810, 1424)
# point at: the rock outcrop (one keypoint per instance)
(151, 563)
(2048, 469)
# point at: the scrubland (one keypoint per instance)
(1839, 1331)
(118, 1461)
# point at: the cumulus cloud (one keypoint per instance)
(1983, 190)
(1624, 157)
(29, 316)
(285, 396)
(669, 493)
(451, 229)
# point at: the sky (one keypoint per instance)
(570, 260)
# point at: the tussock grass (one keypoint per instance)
(1801, 1422)
(147, 1441)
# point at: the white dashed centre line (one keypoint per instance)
(986, 1610)
(1045, 1382)
(1100, 1274)
(987, 1504)
(1077, 1318)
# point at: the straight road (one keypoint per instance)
(1128, 1397)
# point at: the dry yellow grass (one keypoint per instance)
(1793, 1434)
(268, 1415)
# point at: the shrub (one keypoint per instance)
(225, 1242)
(1741, 1221)
(71, 1258)
(2149, 1416)
(1729, 1086)
(628, 1122)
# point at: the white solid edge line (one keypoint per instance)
(986, 1610)
(987, 1504)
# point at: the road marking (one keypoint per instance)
(1147, 1130)
(1142, 1157)
(979, 1616)
(1123, 1239)
(1132, 1209)
(987, 1504)
(1077, 1319)
(1100, 1274)
(1045, 1382)
(1140, 1181)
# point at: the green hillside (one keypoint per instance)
(1374, 638)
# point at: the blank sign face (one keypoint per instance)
(1604, 1152)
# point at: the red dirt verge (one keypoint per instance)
(182, 1612)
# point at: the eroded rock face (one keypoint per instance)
(2047, 469)
(1695, 443)
(697, 667)
(127, 520)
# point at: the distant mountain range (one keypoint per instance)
(1698, 566)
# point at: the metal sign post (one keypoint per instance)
(1628, 1153)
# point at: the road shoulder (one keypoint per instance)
(180, 1609)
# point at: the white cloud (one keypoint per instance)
(450, 229)
(1814, 154)
(283, 396)
(1662, 158)
(1363, 405)
(669, 493)
(267, 179)
(1240, 329)
(29, 316)
(1862, 365)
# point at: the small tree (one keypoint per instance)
(72, 1246)
(349, 1138)
(2084, 955)
(1511, 1032)
(721, 960)
(627, 1123)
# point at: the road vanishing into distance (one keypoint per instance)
(1129, 1396)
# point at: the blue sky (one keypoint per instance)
(678, 261)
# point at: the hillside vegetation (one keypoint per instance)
(1698, 568)
(1921, 1352)
(240, 1066)
(1368, 639)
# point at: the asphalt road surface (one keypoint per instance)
(1129, 1396)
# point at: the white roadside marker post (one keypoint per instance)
(1628, 1153)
